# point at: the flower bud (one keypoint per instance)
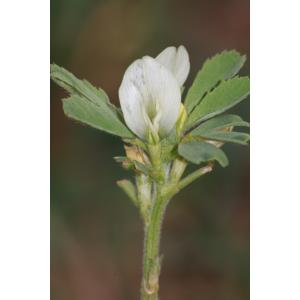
(137, 154)
(150, 93)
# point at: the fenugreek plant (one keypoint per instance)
(161, 133)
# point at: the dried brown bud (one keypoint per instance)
(137, 154)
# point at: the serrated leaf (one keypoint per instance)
(87, 95)
(220, 67)
(220, 122)
(230, 137)
(79, 109)
(73, 85)
(226, 95)
(199, 151)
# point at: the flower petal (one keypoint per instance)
(177, 61)
(131, 98)
(165, 91)
(149, 97)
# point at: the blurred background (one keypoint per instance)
(96, 233)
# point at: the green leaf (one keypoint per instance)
(80, 109)
(213, 130)
(220, 122)
(84, 95)
(223, 97)
(230, 137)
(199, 151)
(73, 85)
(220, 67)
(141, 167)
(133, 164)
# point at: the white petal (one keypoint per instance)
(149, 93)
(131, 98)
(167, 58)
(165, 91)
(177, 61)
(182, 65)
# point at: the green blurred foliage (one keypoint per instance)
(96, 234)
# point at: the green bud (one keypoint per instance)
(153, 137)
(144, 194)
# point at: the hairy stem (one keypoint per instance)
(153, 200)
(152, 259)
(153, 223)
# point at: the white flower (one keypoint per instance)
(150, 93)
(177, 61)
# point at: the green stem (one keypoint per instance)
(153, 205)
(152, 260)
(153, 223)
(193, 176)
(171, 189)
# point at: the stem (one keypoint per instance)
(152, 259)
(193, 176)
(153, 223)
(153, 198)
